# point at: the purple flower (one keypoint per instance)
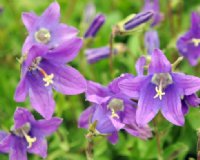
(95, 26)
(153, 5)
(111, 111)
(161, 89)
(151, 41)
(94, 55)
(138, 20)
(46, 29)
(45, 69)
(189, 44)
(27, 135)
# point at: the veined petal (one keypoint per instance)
(140, 65)
(46, 127)
(39, 147)
(41, 96)
(51, 14)
(159, 63)
(5, 141)
(148, 106)
(97, 93)
(21, 90)
(18, 149)
(29, 20)
(67, 80)
(131, 86)
(21, 117)
(171, 106)
(86, 117)
(186, 83)
(66, 52)
(193, 100)
(113, 138)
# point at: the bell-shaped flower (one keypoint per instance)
(111, 111)
(44, 70)
(46, 29)
(27, 135)
(189, 44)
(162, 89)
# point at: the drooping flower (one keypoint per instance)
(27, 135)
(153, 5)
(151, 41)
(189, 44)
(111, 111)
(44, 70)
(162, 89)
(133, 22)
(46, 29)
(94, 55)
(95, 26)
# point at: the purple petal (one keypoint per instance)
(117, 124)
(131, 86)
(67, 80)
(21, 90)
(51, 15)
(97, 93)
(141, 62)
(185, 107)
(29, 20)
(113, 138)
(18, 149)
(114, 85)
(21, 117)
(66, 52)
(86, 117)
(159, 63)
(41, 96)
(192, 100)
(148, 106)
(195, 19)
(187, 84)
(171, 106)
(39, 147)
(5, 141)
(27, 45)
(46, 127)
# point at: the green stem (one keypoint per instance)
(198, 145)
(89, 149)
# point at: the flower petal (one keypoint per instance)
(131, 86)
(148, 106)
(5, 141)
(187, 84)
(46, 127)
(51, 15)
(97, 93)
(29, 20)
(66, 52)
(140, 63)
(21, 117)
(185, 107)
(192, 100)
(39, 147)
(41, 96)
(86, 117)
(18, 149)
(171, 106)
(159, 63)
(27, 45)
(21, 90)
(67, 80)
(113, 138)
(195, 19)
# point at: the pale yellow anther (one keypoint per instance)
(29, 139)
(196, 41)
(48, 79)
(113, 114)
(159, 92)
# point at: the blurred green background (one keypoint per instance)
(69, 142)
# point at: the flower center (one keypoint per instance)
(196, 41)
(161, 80)
(48, 79)
(23, 132)
(42, 36)
(115, 105)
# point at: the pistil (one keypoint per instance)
(196, 41)
(29, 139)
(48, 79)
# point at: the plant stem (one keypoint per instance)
(198, 145)
(111, 53)
(157, 139)
(89, 149)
